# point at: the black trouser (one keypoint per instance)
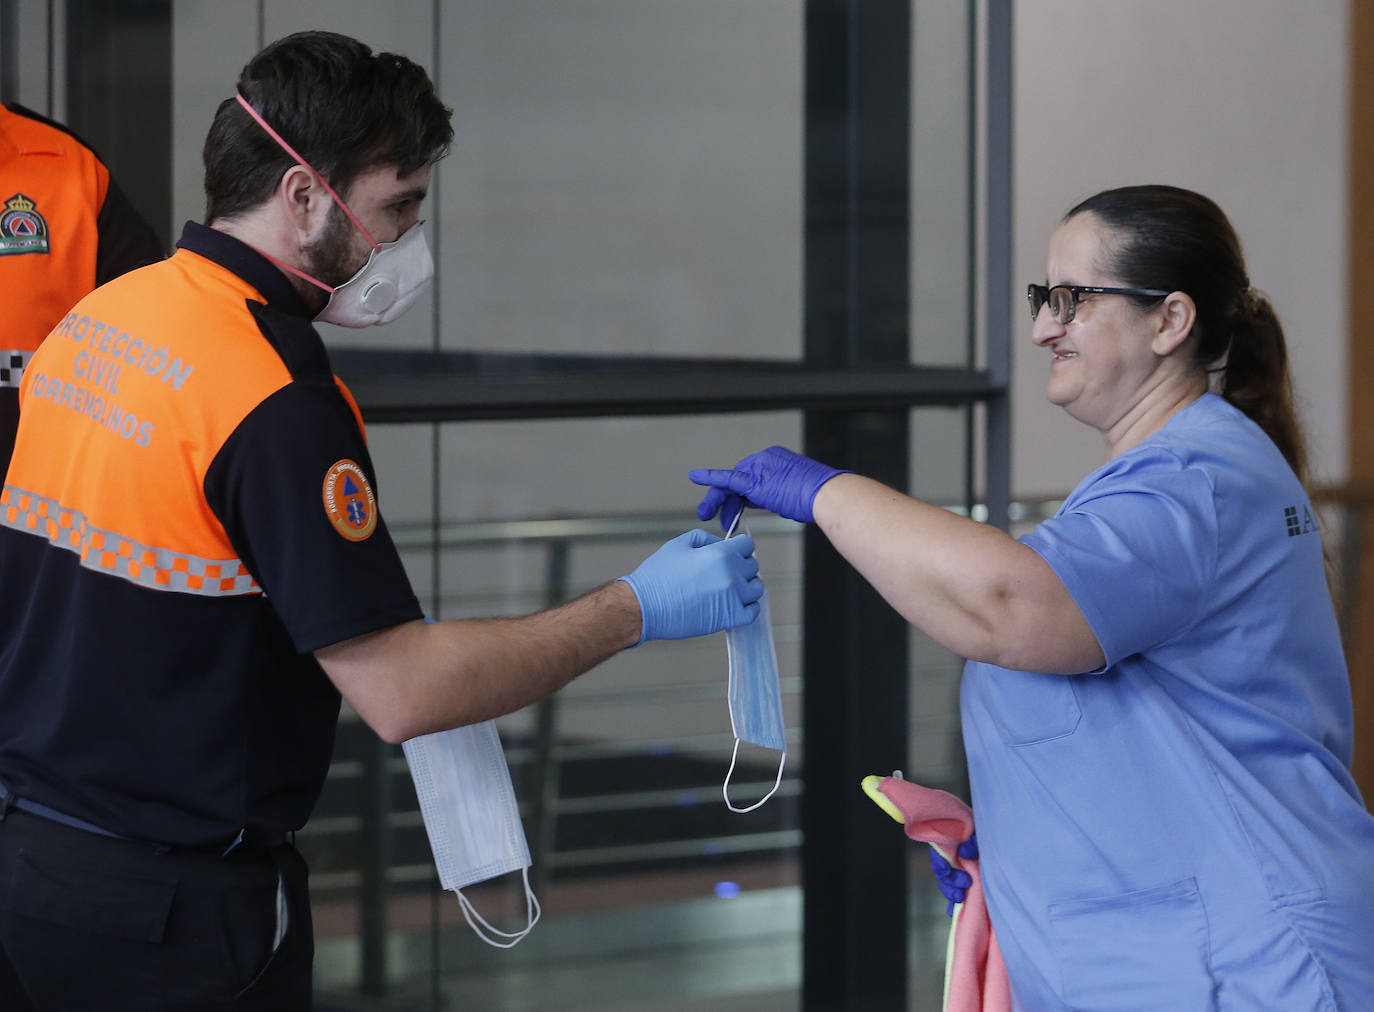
(92, 922)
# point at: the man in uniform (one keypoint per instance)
(194, 508)
(65, 227)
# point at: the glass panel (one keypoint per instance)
(203, 76)
(626, 177)
(942, 274)
(940, 460)
(25, 51)
(649, 885)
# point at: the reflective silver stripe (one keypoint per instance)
(12, 365)
(106, 551)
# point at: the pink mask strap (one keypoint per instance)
(329, 189)
(298, 272)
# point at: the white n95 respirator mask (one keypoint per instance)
(386, 286)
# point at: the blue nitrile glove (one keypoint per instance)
(774, 479)
(697, 584)
(952, 881)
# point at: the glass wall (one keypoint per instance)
(650, 886)
(668, 234)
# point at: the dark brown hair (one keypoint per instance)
(1174, 239)
(345, 109)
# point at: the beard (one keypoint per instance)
(331, 258)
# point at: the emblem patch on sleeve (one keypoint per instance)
(22, 228)
(349, 502)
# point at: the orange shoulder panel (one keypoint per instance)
(126, 404)
(51, 190)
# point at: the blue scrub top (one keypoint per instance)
(1180, 829)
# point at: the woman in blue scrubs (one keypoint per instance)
(1156, 708)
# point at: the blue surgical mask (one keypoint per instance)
(754, 693)
(472, 817)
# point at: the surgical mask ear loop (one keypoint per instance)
(735, 523)
(734, 755)
(532, 914)
(725, 788)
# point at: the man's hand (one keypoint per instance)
(697, 584)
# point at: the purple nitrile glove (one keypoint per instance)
(968, 850)
(953, 882)
(774, 479)
(697, 584)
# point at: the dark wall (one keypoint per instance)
(119, 96)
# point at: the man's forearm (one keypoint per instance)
(419, 677)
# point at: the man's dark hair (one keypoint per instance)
(345, 109)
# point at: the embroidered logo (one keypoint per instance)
(349, 502)
(1299, 523)
(22, 228)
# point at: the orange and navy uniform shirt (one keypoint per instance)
(194, 508)
(65, 227)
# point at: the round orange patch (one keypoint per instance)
(349, 502)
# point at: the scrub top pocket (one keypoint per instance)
(1139, 950)
(1030, 708)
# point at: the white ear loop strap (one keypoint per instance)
(725, 788)
(532, 913)
(735, 523)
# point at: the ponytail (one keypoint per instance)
(1255, 377)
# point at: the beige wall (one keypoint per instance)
(1243, 100)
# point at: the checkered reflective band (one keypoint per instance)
(12, 366)
(113, 553)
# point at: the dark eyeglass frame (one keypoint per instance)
(1039, 295)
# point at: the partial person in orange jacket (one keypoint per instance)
(194, 506)
(65, 227)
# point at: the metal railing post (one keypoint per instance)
(375, 866)
(544, 771)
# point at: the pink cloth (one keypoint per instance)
(975, 976)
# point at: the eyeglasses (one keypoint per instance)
(1063, 299)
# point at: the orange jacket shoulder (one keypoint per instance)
(52, 188)
(127, 403)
